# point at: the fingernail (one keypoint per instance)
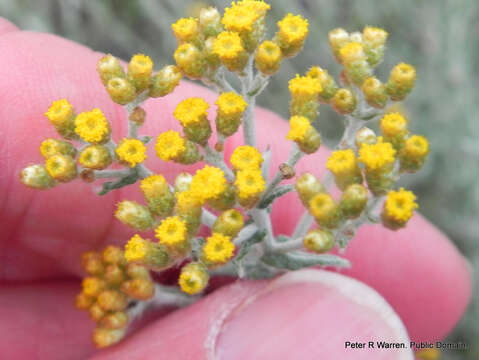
(311, 314)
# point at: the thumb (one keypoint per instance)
(308, 314)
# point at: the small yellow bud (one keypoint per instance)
(96, 312)
(291, 35)
(114, 275)
(374, 40)
(231, 107)
(61, 167)
(183, 182)
(268, 58)
(83, 301)
(303, 134)
(121, 90)
(139, 288)
(344, 101)
(229, 48)
(50, 147)
(188, 208)
(37, 177)
(61, 116)
(307, 186)
(338, 38)
(343, 164)
(355, 62)
(109, 67)
(328, 85)
(224, 201)
(398, 208)
(414, 153)
(365, 136)
(157, 193)
(165, 81)
(246, 157)
(93, 263)
(401, 81)
(112, 300)
(113, 255)
(147, 253)
(325, 211)
(249, 184)
(318, 241)
(378, 159)
(192, 114)
(140, 68)
(104, 337)
(186, 30)
(137, 271)
(131, 152)
(93, 286)
(135, 215)
(229, 223)
(394, 129)
(210, 21)
(95, 157)
(375, 92)
(116, 320)
(190, 61)
(353, 201)
(193, 278)
(92, 126)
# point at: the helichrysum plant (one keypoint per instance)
(233, 201)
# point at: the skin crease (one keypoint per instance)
(417, 270)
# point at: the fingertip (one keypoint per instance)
(6, 26)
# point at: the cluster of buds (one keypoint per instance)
(111, 285)
(233, 197)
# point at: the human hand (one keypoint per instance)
(303, 315)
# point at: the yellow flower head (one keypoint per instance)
(131, 151)
(191, 111)
(293, 29)
(394, 124)
(374, 35)
(352, 52)
(377, 156)
(304, 86)
(268, 57)
(249, 183)
(95, 157)
(140, 65)
(59, 112)
(170, 145)
(208, 183)
(231, 104)
(246, 157)
(193, 278)
(171, 231)
(416, 147)
(239, 18)
(187, 202)
(228, 45)
(323, 207)
(298, 128)
(185, 29)
(92, 126)
(218, 249)
(92, 286)
(135, 249)
(257, 6)
(153, 186)
(61, 167)
(342, 162)
(399, 205)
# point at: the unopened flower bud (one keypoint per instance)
(375, 92)
(394, 128)
(354, 60)
(343, 164)
(183, 182)
(228, 46)
(401, 81)
(318, 241)
(62, 117)
(307, 186)
(135, 215)
(121, 90)
(193, 278)
(137, 271)
(158, 195)
(344, 101)
(93, 286)
(96, 312)
(192, 113)
(116, 320)
(231, 108)
(112, 300)
(374, 40)
(353, 201)
(414, 153)
(268, 58)
(338, 38)
(229, 223)
(140, 68)
(104, 337)
(50, 147)
(291, 35)
(328, 85)
(108, 68)
(190, 61)
(92, 263)
(114, 275)
(139, 288)
(225, 201)
(84, 301)
(379, 160)
(147, 253)
(37, 177)
(113, 255)
(303, 134)
(165, 81)
(61, 167)
(365, 136)
(210, 21)
(97, 157)
(325, 211)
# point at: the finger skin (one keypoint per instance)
(6, 26)
(45, 232)
(304, 315)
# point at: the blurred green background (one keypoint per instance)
(439, 37)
